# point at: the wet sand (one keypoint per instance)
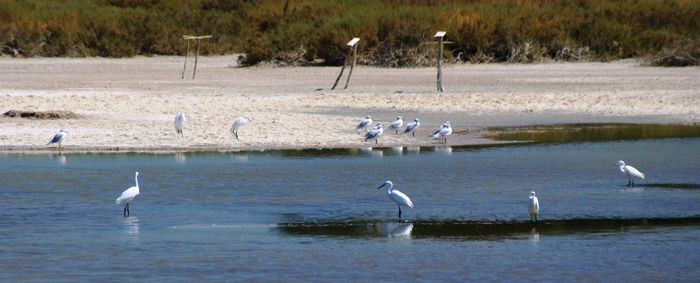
(129, 104)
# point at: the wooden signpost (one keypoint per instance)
(352, 50)
(439, 36)
(196, 56)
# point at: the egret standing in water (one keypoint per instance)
(364, 123)
(180, 123)
(128, 195)
(237, 123)
(374, 133)
(631, 172)
(399, 198)
(534, 207)
(396, 124)
(58, 138)
(411, 127)
(444, 131)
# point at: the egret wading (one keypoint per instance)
(58, 138)
(374, 133)
(631, 172)
(399, 198)
(237, 123)
(364, 123)
(396, 124)
(128, 195)
(411, 127)
(533, 207)
(180, 120)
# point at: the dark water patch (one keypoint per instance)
(683, 186)
(479, 229)
(566, 133)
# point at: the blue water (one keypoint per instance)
(232, 216)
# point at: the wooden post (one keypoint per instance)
(439, 35)
(351, 52)
(196, 56)
(186, 54)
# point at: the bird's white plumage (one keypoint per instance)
(629, 170)
(129, 194)
(375, 132)
(443, 131)
(410, 127)
(58, 137)
(364, 123)
(238, 122)
(533, 206)
(397, 196)
(397, 123)
(180, 120)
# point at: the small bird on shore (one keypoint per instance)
(399, 198)
(411, 127)
(374, 133)
(364, 123)
(396, 124)
(180, 120)
(533, 207)
(58, 138)
(237, 123)
(444, 131)
(631, 172)
(128, 195)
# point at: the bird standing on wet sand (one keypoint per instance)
(533, 207)
(237, 123)
(374, 133)
(444, 131)
(631, 172)
(180, 120)
(364, 123)
(58, 138)
(399, 198)
(411, 127)
(128, 195)
(396, 124)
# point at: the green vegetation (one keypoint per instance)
(393, 32)
(594, 132)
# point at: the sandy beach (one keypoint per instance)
(129, 104)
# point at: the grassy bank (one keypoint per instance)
(394, 33)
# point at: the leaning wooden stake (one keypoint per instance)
(439, 35)
(351, 52)
(186, 54)
(196, 56)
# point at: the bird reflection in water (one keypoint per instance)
(397, 230)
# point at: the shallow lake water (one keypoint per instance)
(316, 215)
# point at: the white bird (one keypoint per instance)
(128, 195)
(411, 127)
(396, 124)
(237, 123)
(631, 172)
(399, 198)
(534, 206)
(364, 123)
(180, 120)
(444, 131)
(374, 133)
(58, 138)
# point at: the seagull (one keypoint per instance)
(374, 133)
(411, 127)
(534, 207)
(128, 195)
(630, 171)
(58, 138)
(396, 124)
(364, 123)
(444, 131)
(180, 120)
(237, 123)
(399, 198)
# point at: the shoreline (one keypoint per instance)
(129, 104)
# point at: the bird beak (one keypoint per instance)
(381, 186)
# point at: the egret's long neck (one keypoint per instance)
(136, 180)
(622, 168)
(391, 187)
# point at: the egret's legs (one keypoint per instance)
(126, 210)
(399, 212)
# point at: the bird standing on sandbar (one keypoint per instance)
(533, 207)
(374, 133)
(58, 138)
(411, 127)
(364, 123)
(396, 124)
(237, 123)
(180, 120)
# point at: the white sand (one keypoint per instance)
(130, 103)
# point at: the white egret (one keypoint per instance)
(128, 195)
(237, 123)
(631, 172)
(396, 124)
(58, 138)
(411, 127)
(534, 206)
(399, 198)
(364, 123)
(180, 120)
(444, 131)
(374, 133)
